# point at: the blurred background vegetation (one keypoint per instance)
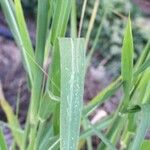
(109, 46)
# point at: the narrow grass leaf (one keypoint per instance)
(103, 124)
(60, 19)
(142, 128)
(102, 137)
(43, 8)
(74, 19)
(82, 17)
(96, 40)
(102, 96)
(72, 85)
(91, 22)
(11, 20)
(127, 61)
(143, 67)
(144, 55)
(24, 31)
(11, 118)
(3, 145)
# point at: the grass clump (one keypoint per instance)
(56, 111)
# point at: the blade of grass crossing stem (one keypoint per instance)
(113, 130)
(55, 145)
(142, 128)
(24, 31)
(9, 14)
(88, 139)
(3, 145)
(127, 62)
(72, 85)
(109, 91)
(103, 124)
(43, 7)
(102, 96)
(102, 137)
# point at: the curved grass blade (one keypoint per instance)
(11, 118)
(72, 86)
(11, 20)
(24, 31)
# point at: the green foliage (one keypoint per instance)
(3, 144)
(56, 112)
(72, 84)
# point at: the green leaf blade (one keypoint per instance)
(143, 127)
(72, 86)
(3, 145)
(127, 63)
(127, 57)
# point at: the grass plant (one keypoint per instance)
(56, 113)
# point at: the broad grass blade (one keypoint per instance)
(145, 145)
(58, 29)
(72, 84)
